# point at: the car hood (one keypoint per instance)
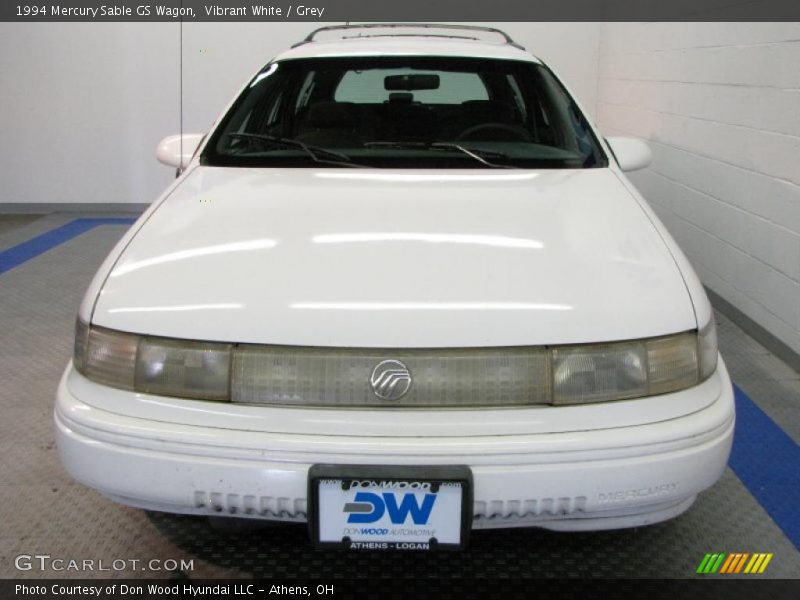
(377, 258)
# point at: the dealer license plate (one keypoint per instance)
(390, 508)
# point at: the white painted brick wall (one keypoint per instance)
(720, 105)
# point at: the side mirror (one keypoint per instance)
(177, 150)
(631, 153)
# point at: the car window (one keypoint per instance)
(405, 112)
(368, 87)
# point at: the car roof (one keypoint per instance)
(421, 44)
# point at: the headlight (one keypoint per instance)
(558, 375)
(179, 368)
(597, 373)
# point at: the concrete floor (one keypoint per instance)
(45, 512)
(12, 222)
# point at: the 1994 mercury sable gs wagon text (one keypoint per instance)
(401, 290)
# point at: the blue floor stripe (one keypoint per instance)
(767, 461)
(16, 255)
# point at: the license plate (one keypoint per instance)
(390, 508)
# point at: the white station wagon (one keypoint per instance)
(401, 290)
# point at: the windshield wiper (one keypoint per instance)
(482, 156)
(477, 154)
(314, 152)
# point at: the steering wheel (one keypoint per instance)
(519, 133)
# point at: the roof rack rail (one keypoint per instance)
(465, 29)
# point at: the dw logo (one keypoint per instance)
(369, 508)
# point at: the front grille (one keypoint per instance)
(523, 509)
(343, 377)
(295, 509)
(264, 506)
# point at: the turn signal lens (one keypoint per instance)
(110, 357)
(672, 363)
(707, 346)
(80, 347)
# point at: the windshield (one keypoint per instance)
(404, 112)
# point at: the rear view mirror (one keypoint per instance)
(177, 150)
(631, 153)
(411, 82)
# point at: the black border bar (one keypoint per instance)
(415, 587)
(326, 11)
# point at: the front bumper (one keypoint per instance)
(579, 480)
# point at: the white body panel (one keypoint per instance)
(397, 259)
